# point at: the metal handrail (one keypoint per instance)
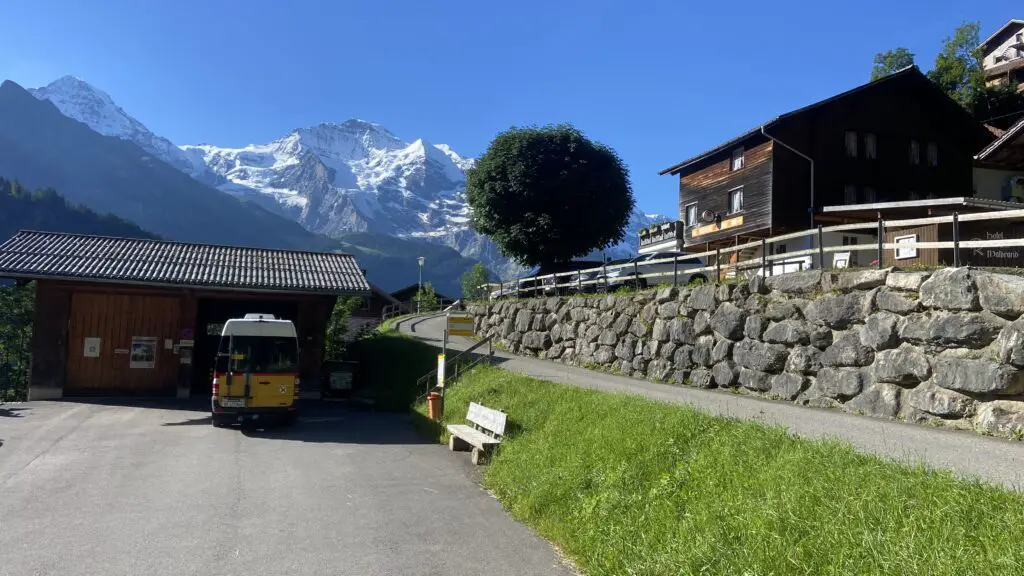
(426, 378)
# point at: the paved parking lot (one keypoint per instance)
(105, 489)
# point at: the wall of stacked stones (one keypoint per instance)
(942, 348)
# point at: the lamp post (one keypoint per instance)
(419, 292)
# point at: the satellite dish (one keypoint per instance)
(707, 216)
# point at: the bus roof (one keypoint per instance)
(271, 328)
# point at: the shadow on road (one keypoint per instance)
(201, 421)
(12, 412)
(343, 426)
(191, 405)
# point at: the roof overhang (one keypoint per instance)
(181, 287)
(911, 208)
(1008, 137)
(1000, 31)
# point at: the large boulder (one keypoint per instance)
(537, 340)
(604, 355)
(755, 380)
(951, 289)
(906, 280)
(841, 383)
(666, 294)
(639, 328)
(667, 350)
(701, 378)
(1001, 294)
(659, 369)
(703, 297)
(905, 365)
(608, 338)
(523, 320)
(897, 302)
(702, 322)
(668, 310)
(950, 329)
(837, 312)
(807, 282)
(789, 386)
(778, 310)
(593, 333)
(938, 401)
(683, 357)
(861, 279)
(649, 312)
(881, 400)
(977, 376)
(621, 324)
(680, 331)
(607, 319)
(789, 332)
(625, 348)
(821, 337)
(728, 321)
(721, 351)
(881, 331)
(848, 350)
(755, 326)
(759, 356)
(651, 349)
(726, 374)
(554, 352)
(1002, 417)
(660, 330)
(703, 351)
(1010, 344)
(804, 360)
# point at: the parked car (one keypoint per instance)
(594, 277)
(681, 271)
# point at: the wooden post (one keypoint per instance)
(675, 270)
(821, 249)
(636, 275)
(881, 241)
(956, 239)
(764, 258)
(604, 275)
(718, 264)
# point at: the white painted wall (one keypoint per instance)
(990, 57)
(994, 184)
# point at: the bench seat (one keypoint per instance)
(473, 436)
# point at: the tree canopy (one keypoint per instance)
(549, 194)
(958, 71)
(890, 61)
(474, 282)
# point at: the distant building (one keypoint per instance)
(1003, 55)
(408, 294)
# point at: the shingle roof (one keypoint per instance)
(1008, 136)
(31, 254)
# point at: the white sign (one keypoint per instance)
(904, 253)
(440, 370)
(92, 348)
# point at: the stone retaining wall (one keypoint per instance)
(941, 348)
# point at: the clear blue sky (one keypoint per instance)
(657, 81)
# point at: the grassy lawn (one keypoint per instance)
(389, 364)
(628, 486)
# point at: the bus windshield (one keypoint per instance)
(259, 354)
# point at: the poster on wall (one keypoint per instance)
(92, 348)
(143, 352)
(904, 253)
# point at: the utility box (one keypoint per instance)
(340, 378)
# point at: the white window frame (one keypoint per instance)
(686, 214)
(915, 153)
(736, 190)
(851, 143)
(905, 253)
(870, 146)
(933, 154)
(738, 160)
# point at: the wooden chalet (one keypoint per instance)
(119, 316)
(897, 138)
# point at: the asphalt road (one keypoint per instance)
(968, 454)
(105, 489)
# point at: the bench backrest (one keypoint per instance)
(489, 419)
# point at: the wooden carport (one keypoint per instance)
(119, 316)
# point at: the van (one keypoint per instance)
(256, 373)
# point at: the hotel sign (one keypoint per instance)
(717, 227)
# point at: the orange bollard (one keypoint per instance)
(435, 406)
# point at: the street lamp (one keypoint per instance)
(419, 293)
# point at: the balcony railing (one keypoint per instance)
(659, 233)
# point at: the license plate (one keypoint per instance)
(232, 402)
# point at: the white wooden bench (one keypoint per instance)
(484, 432)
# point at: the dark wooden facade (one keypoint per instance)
(70, 312)
(885, 116)
(1008, 257)
(709, 187)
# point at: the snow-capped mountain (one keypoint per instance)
(93, 107)
(355, 176)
